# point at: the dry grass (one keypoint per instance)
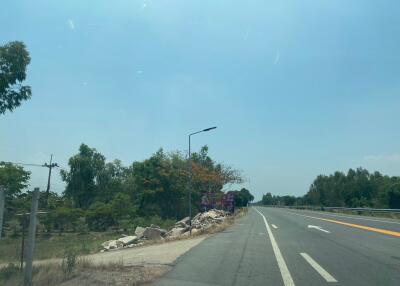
(86, 273)
(53, 246)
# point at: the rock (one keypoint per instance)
(183, 223)
(211, 214)
(177, 231)
(112, 244)
(196, 217)
(128, 239)
(106, 243)
(154, 226)
(195, 231)
(153, 233)
(139, 231)
(219, 219)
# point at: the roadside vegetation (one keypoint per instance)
(354, 189)
(106, 199)
(73, 268)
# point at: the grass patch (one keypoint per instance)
(55, 245)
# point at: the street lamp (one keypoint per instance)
(190, 175)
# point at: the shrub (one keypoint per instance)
(100, 217)
(7, 272)
(69, 262)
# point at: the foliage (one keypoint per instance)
(14, 59)
(102, 195)
(64, 218)
(394, 196)
(242, 197)
(8, 271)
(356, 188)
(100, 217)
(69, 262)
(85, 168)
(13, 178)
(157, 186)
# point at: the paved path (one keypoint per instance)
(273, 246)
(163, 253)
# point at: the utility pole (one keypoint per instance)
(2, 202)
(50, 166)
(31, 239)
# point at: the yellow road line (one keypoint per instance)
(378, 230)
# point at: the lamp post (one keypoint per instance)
(190, 175)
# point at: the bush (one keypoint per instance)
(156, 220)
(64, 219)
(7, 272)
(394, 197)
(100, 217)
(69, 262)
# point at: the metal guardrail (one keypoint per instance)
(320, 208)
(364, 209)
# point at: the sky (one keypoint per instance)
(296, 88)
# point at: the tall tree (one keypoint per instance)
(83, 176)
(14, 59)
(13, 178)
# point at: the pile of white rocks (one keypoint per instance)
(142, 234)
(201, 221)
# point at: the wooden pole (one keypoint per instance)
(2, 202)
(31, 239)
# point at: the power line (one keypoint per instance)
(23, 164)
(51, 165)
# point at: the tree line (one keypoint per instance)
(356, 188)
(100, 195)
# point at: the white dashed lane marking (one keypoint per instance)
(318, 268)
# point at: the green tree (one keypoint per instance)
(110, 181)
(242, 197)
(100, 216)
(64, 219)
(357, 188)
(13, 178)
(394, 197)
(83, 175)
(267, 199)
(158, 185)
(14, 59)
(121, 206)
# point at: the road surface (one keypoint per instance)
(273, 246)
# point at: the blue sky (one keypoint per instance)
(296, 88)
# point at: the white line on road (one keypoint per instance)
(318, 268)
(319, 228)
(274, 226)
(287, 278)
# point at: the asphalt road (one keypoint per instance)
(273, 246)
